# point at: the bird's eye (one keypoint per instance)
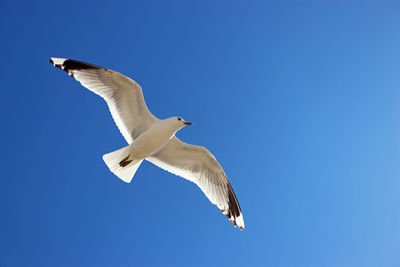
(179, 119)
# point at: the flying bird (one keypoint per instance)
(151, 138)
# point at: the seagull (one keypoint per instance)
(151, 138)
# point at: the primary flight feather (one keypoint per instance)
(152, 139)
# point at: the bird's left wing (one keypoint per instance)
(124, 96)
(197, 164)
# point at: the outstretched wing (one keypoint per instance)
(197, 164)
(124, 96)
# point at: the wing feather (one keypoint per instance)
(197, 164)
(123, 96)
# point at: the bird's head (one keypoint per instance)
(178, 122)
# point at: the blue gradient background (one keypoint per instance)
(298, 100)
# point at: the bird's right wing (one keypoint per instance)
(124, 96)
(198, 165)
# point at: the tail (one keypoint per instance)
(122, 164)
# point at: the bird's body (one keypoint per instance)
(155, 138)
(152, 139)
(124, 162)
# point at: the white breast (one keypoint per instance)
(153, 140)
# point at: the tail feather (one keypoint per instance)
(122, 164)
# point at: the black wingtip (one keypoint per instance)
(234, 207)
(69, 65)
(233, 211)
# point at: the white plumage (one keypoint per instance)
(153, 139)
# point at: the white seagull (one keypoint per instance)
(152, 139)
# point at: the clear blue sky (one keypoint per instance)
(299, 102)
